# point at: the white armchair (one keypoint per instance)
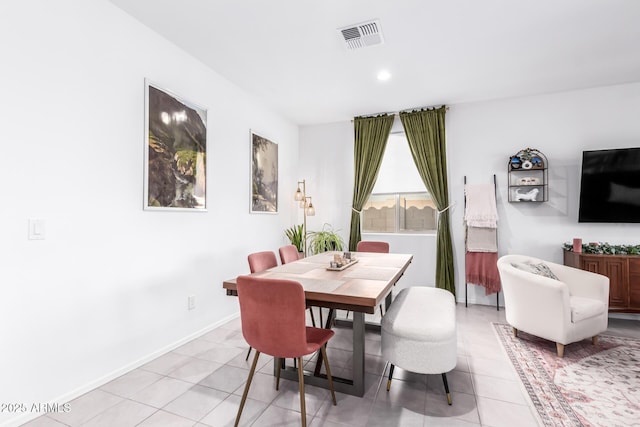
(566, 310)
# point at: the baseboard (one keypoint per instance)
(99, 382)
(625, 316)
(484, 303)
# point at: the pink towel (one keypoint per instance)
(482, 269)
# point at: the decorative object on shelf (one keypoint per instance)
(529, 196)
(264, 175)
(528, 168)
(537, 162)
(307, 208)
(515, 162)
(577, 245)
(528, 158)
(175, 150)
(604, 248)
(529, 180)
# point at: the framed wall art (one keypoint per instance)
(264, 175)
(175, 152)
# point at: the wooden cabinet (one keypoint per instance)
(623, 272)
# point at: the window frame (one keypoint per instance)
(398, 230)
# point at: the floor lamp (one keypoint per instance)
(307, 208)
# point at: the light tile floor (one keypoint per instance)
(201, 383)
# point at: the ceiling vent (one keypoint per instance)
(362, 35)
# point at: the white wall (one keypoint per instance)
(482, 136)
(480, 139)
(107, 289)
(326, 162)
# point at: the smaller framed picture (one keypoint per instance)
(264, 175)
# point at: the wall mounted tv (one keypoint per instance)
(610, 186)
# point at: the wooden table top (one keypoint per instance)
(360, 287)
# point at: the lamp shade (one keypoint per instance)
(311, 211)
(298, 196)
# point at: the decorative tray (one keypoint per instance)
(345, 266)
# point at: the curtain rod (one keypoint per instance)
(396, 113)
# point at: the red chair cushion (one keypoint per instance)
(371, 246)
(288, 254)
(273, 317)
(261, 261)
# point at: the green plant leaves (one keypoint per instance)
(296, 236)
(605, 248)
(325, 240)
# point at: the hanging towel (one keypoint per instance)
(480, 208)
(482, 269)
(482, 239)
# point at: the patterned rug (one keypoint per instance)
(590, 386)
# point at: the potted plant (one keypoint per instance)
(296, 236)
(325, 240)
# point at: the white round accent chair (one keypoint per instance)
(553, 301)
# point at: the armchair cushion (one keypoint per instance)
(540, 269)
(584, 308)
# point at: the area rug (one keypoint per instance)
(590, 386)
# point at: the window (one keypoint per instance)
(399, 213)
(399, 202)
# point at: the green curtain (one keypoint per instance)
(371, 134)
(426, 136)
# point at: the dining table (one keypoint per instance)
(358, 287)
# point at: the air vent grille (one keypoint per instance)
(362, 35)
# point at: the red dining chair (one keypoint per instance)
(261, 261)
(372, 246)
(272, 313)
(288, 254)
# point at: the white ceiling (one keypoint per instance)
(290, 54)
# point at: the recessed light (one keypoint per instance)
(384, 75)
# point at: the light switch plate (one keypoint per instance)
(36, 229)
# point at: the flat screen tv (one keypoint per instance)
(610, 186)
